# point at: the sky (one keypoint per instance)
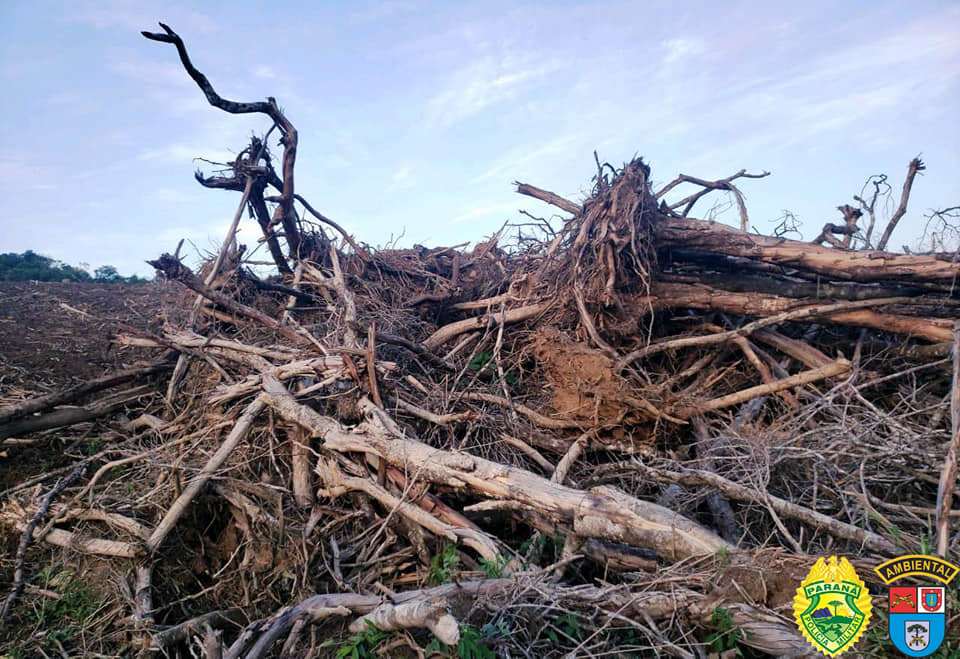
(416, 117)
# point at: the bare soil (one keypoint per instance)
(56, 334)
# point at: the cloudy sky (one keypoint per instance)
(415, 117)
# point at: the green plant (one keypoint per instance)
(568, 625)
(480, 361)
(471, 645)
(725, 636)
(494, 569)
(63, 617)
(723, 555)
(445, 565)
(361, 645)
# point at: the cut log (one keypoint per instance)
(865, 266)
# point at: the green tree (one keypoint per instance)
(108, 274)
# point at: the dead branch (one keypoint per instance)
(285, 213)
(916, 165)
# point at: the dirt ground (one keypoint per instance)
(53, 335)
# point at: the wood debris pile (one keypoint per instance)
(634, 433)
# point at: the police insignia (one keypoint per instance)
(832, 606)
(917, 613)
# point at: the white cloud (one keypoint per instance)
(125, 15)
(401, 175)
(483, 83)
(682, 48)
(512, 163)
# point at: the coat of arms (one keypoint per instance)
(917, 613)
(832, 606)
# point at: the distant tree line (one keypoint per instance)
(36, 267)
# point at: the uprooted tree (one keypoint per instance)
(570, 440)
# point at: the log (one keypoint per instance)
(862, 266)
(70, 416)
(604, 512)
(666, 295)
(40, 403)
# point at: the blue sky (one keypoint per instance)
(415, 118)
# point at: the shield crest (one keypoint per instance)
(917, 619)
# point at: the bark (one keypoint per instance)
(603, 512)
(862, 266)
(667, 295)
(41, 403)
(71, 415)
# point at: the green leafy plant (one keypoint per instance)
(494, 569)
(63, 617)
(472, 644)
(480, 361)
(361, 645)
(445, 565)
(568, 626)
(725, 636)
(723, 555)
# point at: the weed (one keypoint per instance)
(568, 625)
(78, 602)
(494, 569)
(361, 645)
(723, 555)
(725, 637)
(445, 565)
(472, 644)
(480, 361)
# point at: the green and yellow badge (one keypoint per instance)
(832, 606)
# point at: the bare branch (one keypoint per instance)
(916, 165)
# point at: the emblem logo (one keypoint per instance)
(917, 613)
(832, 606)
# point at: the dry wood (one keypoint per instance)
(865, 266)
(819, 521)
(459, 327)
(916, 165)
(813, 375)
(431, 614)
(335, 483)
(237, 435)
(932, 329)
(948, 474)
(69, 416)
(301, 457)
(603, 513)
(41, 403)
(549, 197)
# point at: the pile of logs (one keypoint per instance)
(634, 433)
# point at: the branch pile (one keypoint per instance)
(630, 434)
